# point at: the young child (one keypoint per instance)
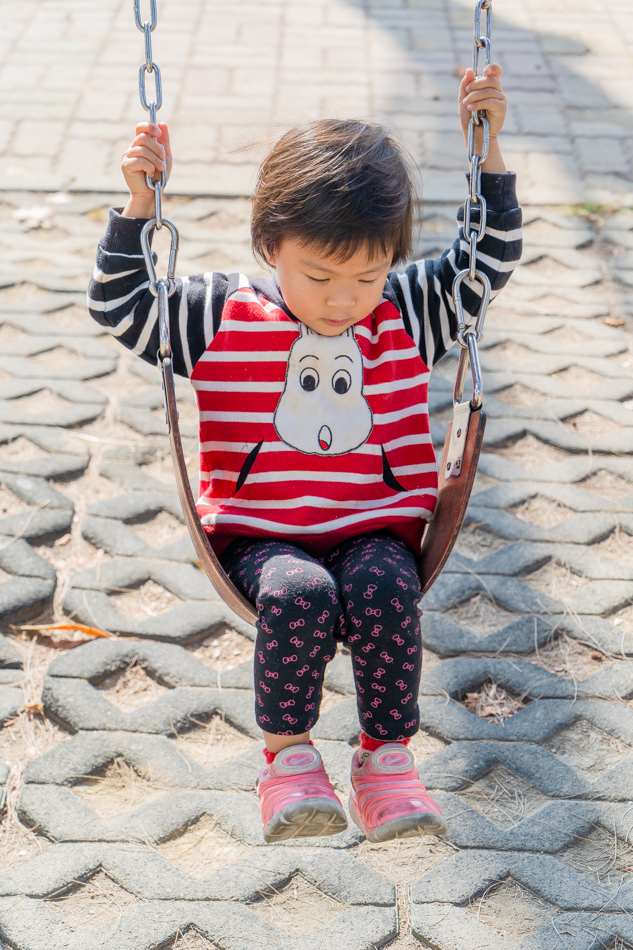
(317, 471)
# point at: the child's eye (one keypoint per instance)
(368, 281)
(317, 280)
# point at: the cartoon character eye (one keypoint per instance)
(341, 382)
(309, 379)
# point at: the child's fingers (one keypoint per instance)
(486, 104)
(141, 151)
(138, 164)
(147, 141)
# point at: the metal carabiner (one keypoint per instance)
(164, 350)
(469, 354)
(459, 306)
(149, 260)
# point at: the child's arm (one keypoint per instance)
(424, 292)
(118, 296)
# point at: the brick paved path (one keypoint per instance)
(130, 817)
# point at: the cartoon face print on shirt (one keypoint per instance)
(322, 410)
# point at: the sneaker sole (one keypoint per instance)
(310, 818)
(409, 826)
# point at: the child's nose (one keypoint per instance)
(340, 298)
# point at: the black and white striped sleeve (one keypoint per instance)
(119, 299)
(423, 293)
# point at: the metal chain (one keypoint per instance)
(161, 287)
(469, 336)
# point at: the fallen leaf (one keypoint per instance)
(614, 322)
(34, 708)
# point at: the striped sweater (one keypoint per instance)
(303, 437)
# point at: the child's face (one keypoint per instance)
(325, 294)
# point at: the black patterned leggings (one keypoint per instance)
(365, 592)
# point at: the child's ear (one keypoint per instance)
(270, 255)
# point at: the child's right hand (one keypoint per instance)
(148, 154)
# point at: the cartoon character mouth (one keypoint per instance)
(325, 438)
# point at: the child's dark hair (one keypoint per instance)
(337, 184)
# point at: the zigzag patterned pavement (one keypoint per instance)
(127, 765)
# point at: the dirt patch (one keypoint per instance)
(9, 334)
(602, 857)
(10, 504)
(504, 797)
(512, 353)
(543, 512)
(492, 702)
(330, 700)
(121, 383)
(41, 402)
(223, 651)
(531, 454)
(569, 659)
(70, 316)
(607, 485)
(93, 903)
(57, 357)
(159, 530)
(405, 860)
(297, 909)
(191, 939)
(556, 580)
(592, 426)
(204, 848)
(617, 547)
(587, 748)
(424, 746)
(21, 450)
(131, 688)
(577, 377)
(512, 910)
(18, 843)
(521, 397)
(481, 615)
(212, 743)
(88, 489)
(148, 600)
(483, 482)
(476, 542)
(115, 789)
(566, 336)
(21, 292)
(162, 468)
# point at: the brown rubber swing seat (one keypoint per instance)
(439, 537)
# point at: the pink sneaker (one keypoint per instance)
(297, 798)
(388, 800)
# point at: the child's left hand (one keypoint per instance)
(483, 93)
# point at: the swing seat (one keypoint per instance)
(456, 478)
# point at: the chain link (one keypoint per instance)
(474, 232)
(161, 287)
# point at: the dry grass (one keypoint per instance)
(531, 454)
(493, 703)
(424, 746)
(297, 909)
(607, 485)
(147, 600)
(587, 748)
(191, 939)
(93, 903)
(577, 377)
(480, 614)
(115, 789)
(521, 397)
(623, 620)
(203, 848)
(592, 426)
(403, 861)
(543, 512)
(512, 910)
(568, 658)
(556, 580)
(475, 542)
(617, 547)
(504, 797)
(212, 743)
(224, 650)
(159, 530)
(602, 856)
(131, 688)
